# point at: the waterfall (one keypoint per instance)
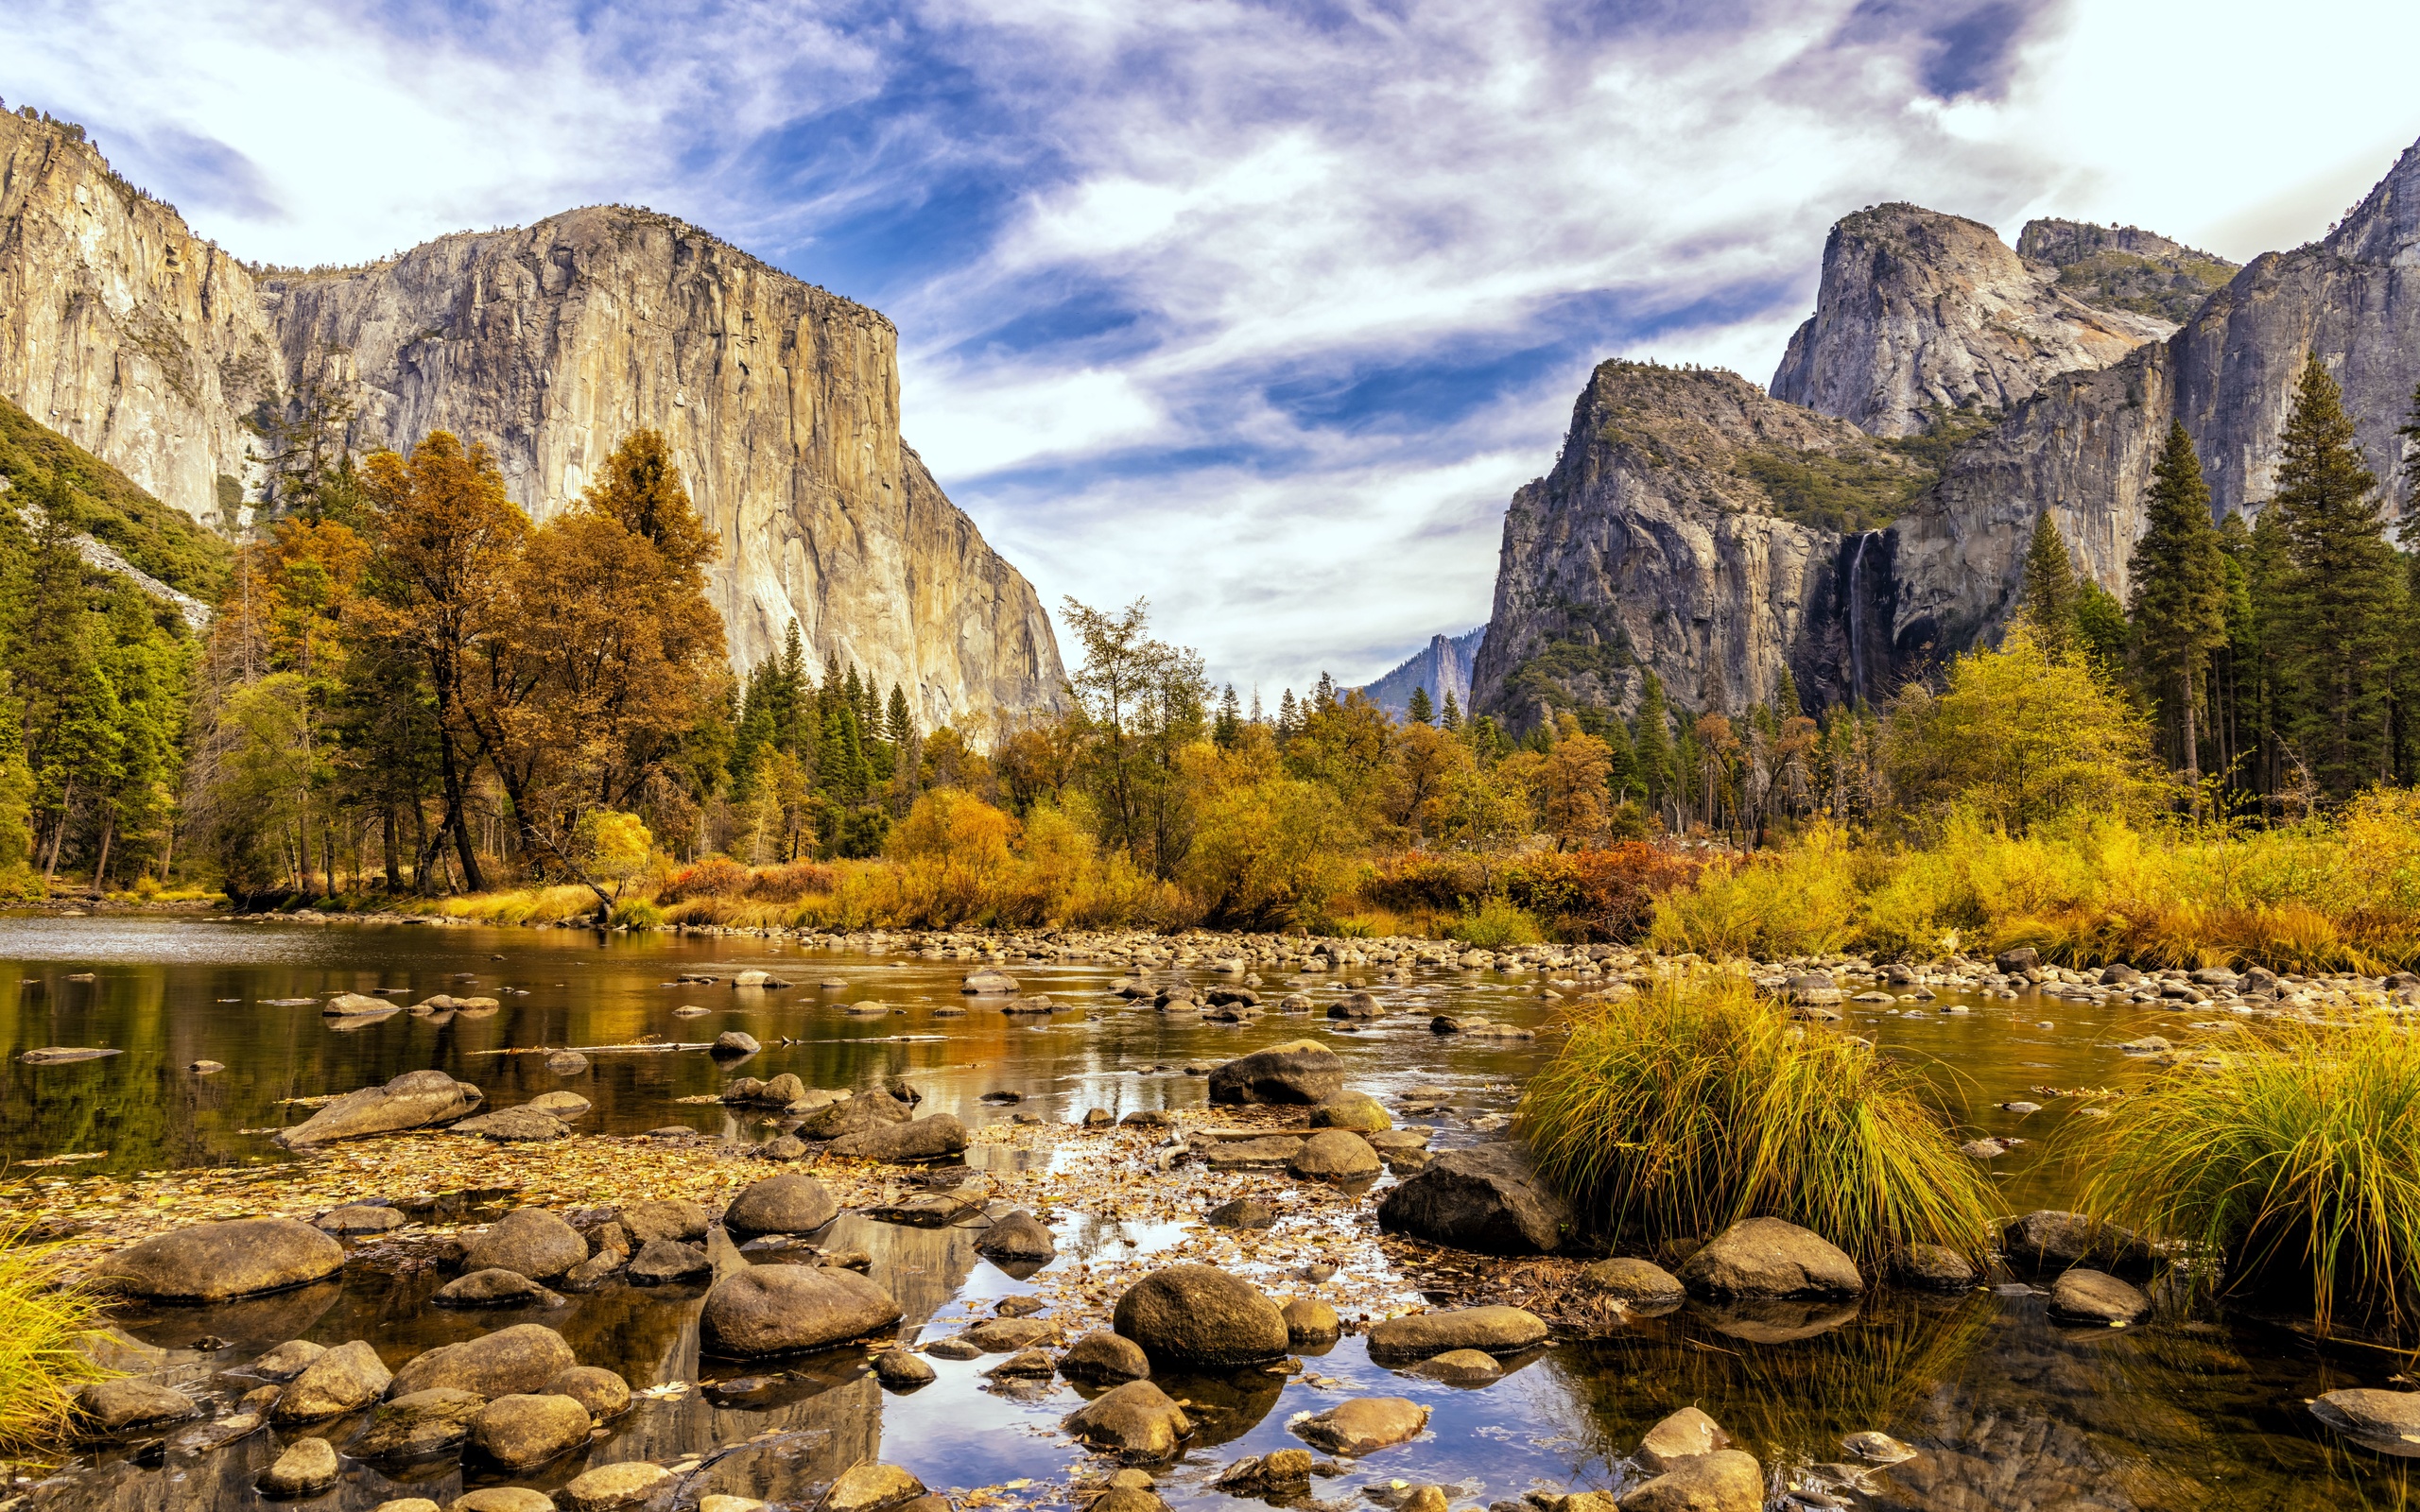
(1856, 618)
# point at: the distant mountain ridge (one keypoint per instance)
(1441, 666)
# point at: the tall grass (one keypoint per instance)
(1494, 924)
(44, 1322)
(1802, 900)
(1698, 1102)
(2296, 1160)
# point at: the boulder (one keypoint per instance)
(1488, 1199)
(531, 1241)
(2081, 1296)
(734, 1042)
(2017, 962)
(1104, 1356)
(1304, 1071)
(1243, 1213)
(421, 1426)
(1364, 1425)
(416, 1099)
(1933, 1268)
(286, 1361)
(1334, 1155)
(1725, 1480)
(900, 1371)
(504, 1499)
(1136, 1420)
(559, 1104)
(794, 1202)
(1268, 1149)
(1769, 1258)
(611, 1487)
(308, 1467)
(1018, 1236)
(1002, 1335)
(519, 1359)
(493, 1287)
(661, 1261)
(1200, 1316)
(987, 982)
(603, 1393)
(345, 1379)
(2051, 1240)
(1356, 1006)
(215, 1261)
(2370, 1412)
(871, 1488)
(1274, 1476)
(345, 1004)
(518, 1126)
(768, 1310)
(565, 1063)
(518, 1431)
(359, 1218)
(1358, 1111)
(924, 1139)
(1636, 1282)
(116, 1406)
(1493, 1330)
(1460, 1367)
(1684, 1436)
(662, 1218)
(1311, 1323)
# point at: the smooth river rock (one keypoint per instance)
(1488, 1199)
(1364, 1425)
(518, 1431)
(1136, 1419)
(1769, 1258)
(520, 1359)
(530, 1241)
(769, 1310)
(791, 1203)
(2081, 1296)
(1200, 1316)
(1495, 1329)
(416, 1099)
(345, 1379)
(214, 1262)
(1302, 1071)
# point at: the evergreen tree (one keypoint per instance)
(899, 726)
(2047, 597)
(2343, 592)
(1228, 726)
(1621, 766)
(1452, 720)
(792, 693)
(1420, 710)
(1288, 716)
(1653, 743)
(1323, 694)
(1786, 703)
(2179, 594)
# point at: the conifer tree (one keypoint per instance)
(1228, 728)
(2046, 599)
(791, 692)
(899, 725)
(2340, 605)
(1288, 716)
(1420, 710)
(1621, 766)
(1452, 719)
(1653, 744)
(2179, 593)
(1323, 694)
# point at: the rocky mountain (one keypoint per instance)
(2125, 267)
(1694, 527)
(1919, 312)
(1714, 536)
(1443, 666)
(548, 343)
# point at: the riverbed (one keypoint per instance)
(2008, 1410)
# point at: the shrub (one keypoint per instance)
(954, 859)
(713, 877)
(1425, 882)
(2295, 1159)
(44, 1321)
(1697, 1103)
(792, 882)
(637, 913)
(1798, 900)
(1606, 894)
(1269, 853)
(1494, 924)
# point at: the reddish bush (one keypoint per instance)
(714, 877)
(1600, 895)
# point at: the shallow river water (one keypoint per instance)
(2009, 1411)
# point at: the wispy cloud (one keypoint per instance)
(1260, 310)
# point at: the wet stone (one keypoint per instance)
(1492, 1329)
(1136, 1419)
(1684, 1435)
(521, 1357)
(418, 1426)
(115, 1406)
(661, 1262)
(308, 1467)
(1364, 1425)
(531, 1241)
(1769, 1258)
(345, 1379)
(2082, 1296)
(610, 1488)
(1104, 1356)
(518, 1431)
(1725, 1480)
(1637, 1282)
(1460, 1367)
(1200, 1316)
(871, 1488)
(1243, 1213)
(900, 1371)
(492, 1287)
(360, 1219)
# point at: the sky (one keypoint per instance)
(1259, 311)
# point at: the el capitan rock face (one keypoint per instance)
(547, 343)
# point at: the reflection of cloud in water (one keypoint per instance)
(170, 941)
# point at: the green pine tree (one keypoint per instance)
(1621, 770)
(1653, 742)
(2343, 600)
(1229, 726)
(1452, 717)
(1421, 711)
(2178, 594)
(2047, 596)
(899, 726)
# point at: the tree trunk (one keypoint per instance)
(101, 869)
(59, 836)
(386, 846)
(2192, 747)
(449, 765)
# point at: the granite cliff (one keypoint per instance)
(1441, 666)
(547, 343)
(1919, 312)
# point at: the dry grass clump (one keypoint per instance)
(44, 1323)
(1698, 1102)
(2295, 1159)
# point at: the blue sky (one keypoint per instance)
(1259, 310)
